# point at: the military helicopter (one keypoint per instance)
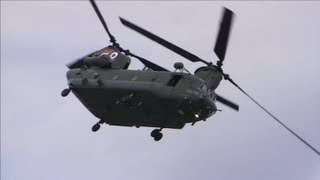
(153, 96)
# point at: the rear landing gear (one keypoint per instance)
(156, 134)
(96, 127)
(65, 92)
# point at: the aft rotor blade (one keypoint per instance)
(148, 64)
(163, 42)
(227, 102)
(79, 62)
(95, 7)
(223, 35)
(227, 77)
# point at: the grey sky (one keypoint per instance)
(273, 54)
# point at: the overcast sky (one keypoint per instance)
(273, 53)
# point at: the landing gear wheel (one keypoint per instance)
(96, 127)
(65, 92)
(156, 134)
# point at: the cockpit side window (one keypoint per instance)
(206, 89)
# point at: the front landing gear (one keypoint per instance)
(156, 134)
(96, 127)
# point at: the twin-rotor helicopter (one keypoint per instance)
(154, 96)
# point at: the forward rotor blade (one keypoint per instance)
(227, 102)
(148, 64)
(226, 76)
(223, 35)
(163, 42)
(95, 7)
(79, 62)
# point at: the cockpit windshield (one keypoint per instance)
(207, 90)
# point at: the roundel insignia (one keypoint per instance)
(111, 52)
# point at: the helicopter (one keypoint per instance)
(154, 96)
(151, 97)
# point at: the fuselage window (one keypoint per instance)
(134, 78)
(115, 77)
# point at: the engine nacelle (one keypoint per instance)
(109, 57)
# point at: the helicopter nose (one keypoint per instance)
(208, 107)
(205, 108)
